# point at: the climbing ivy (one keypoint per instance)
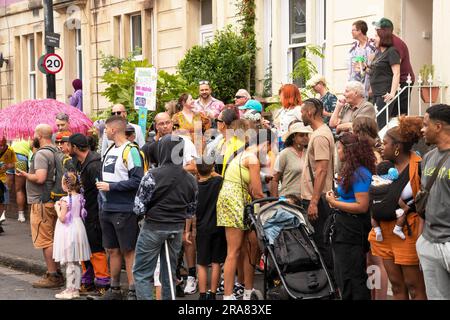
(246, 12)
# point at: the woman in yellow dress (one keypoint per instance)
(241, 184)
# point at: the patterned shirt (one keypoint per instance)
(356, 74)
(145, 193)
(212, 109)
(329, 101)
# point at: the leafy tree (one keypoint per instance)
(305, 68)
(224, 62)
(119, 76)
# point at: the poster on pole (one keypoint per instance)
(145, 88)
(145, 94)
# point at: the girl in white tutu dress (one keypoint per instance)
(71, 246)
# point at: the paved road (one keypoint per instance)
(16, 285)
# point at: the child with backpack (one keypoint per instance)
(386, 175)
(71, 245)
(211, 241)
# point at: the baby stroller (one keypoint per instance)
(294, 268)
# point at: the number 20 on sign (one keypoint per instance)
(53, 63)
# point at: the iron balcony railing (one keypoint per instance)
(430, 83)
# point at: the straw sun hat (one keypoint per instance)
(298, 127)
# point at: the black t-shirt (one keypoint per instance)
(381, 72)
(208, 192)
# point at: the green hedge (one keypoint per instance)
(224, 62)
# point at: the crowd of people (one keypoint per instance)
(169, 206)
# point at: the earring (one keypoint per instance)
(397, 153)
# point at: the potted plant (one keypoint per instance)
(429, 93)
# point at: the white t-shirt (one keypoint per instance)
(113, 169)
(285, 117)
(140, 141)
(189, 151)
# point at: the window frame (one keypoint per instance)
(206, 30)
(79, 53)
(293, 46)
(132, 44)
(32, 81)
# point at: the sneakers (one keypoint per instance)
(221, 288)
(100, 291)
(68, 294)
(3, 217)
(86, 289)
(191, 285)
(260, 266)
(131, 295)
(49, 282)
(238, 290)
(179, 291)
(21, 217)
(210, 295)
(111, 294)
(247, 294)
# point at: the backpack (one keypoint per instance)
(56, 192)
(384, 199)
(294, 252)
(126, 152)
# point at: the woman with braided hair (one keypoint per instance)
(71, 245)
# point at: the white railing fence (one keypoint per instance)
(421, 84)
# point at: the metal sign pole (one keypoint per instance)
(49, 28)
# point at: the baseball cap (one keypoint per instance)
(384, 23)
(62, 136)
(79, 140)
(253, 105)
(130, 128)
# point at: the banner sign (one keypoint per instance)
(145, 88)
(145, 94)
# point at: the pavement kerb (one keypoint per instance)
(23, 264)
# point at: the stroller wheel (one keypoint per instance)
(256, 295)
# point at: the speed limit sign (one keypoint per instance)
(53, 63)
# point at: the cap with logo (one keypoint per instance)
(252, 105)
(384, 23)
(79, 140)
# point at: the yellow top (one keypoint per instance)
(8, 157)
(233, 145)
(21, 146)
(235, 170)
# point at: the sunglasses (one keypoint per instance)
(203, 82)
(117, 113)
(218, 120)
(59, 142)
(239, 97)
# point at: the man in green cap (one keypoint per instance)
(405, 64)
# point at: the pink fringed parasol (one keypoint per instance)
(20, 120)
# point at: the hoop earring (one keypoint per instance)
(397, 153)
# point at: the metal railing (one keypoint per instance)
(420, 85)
